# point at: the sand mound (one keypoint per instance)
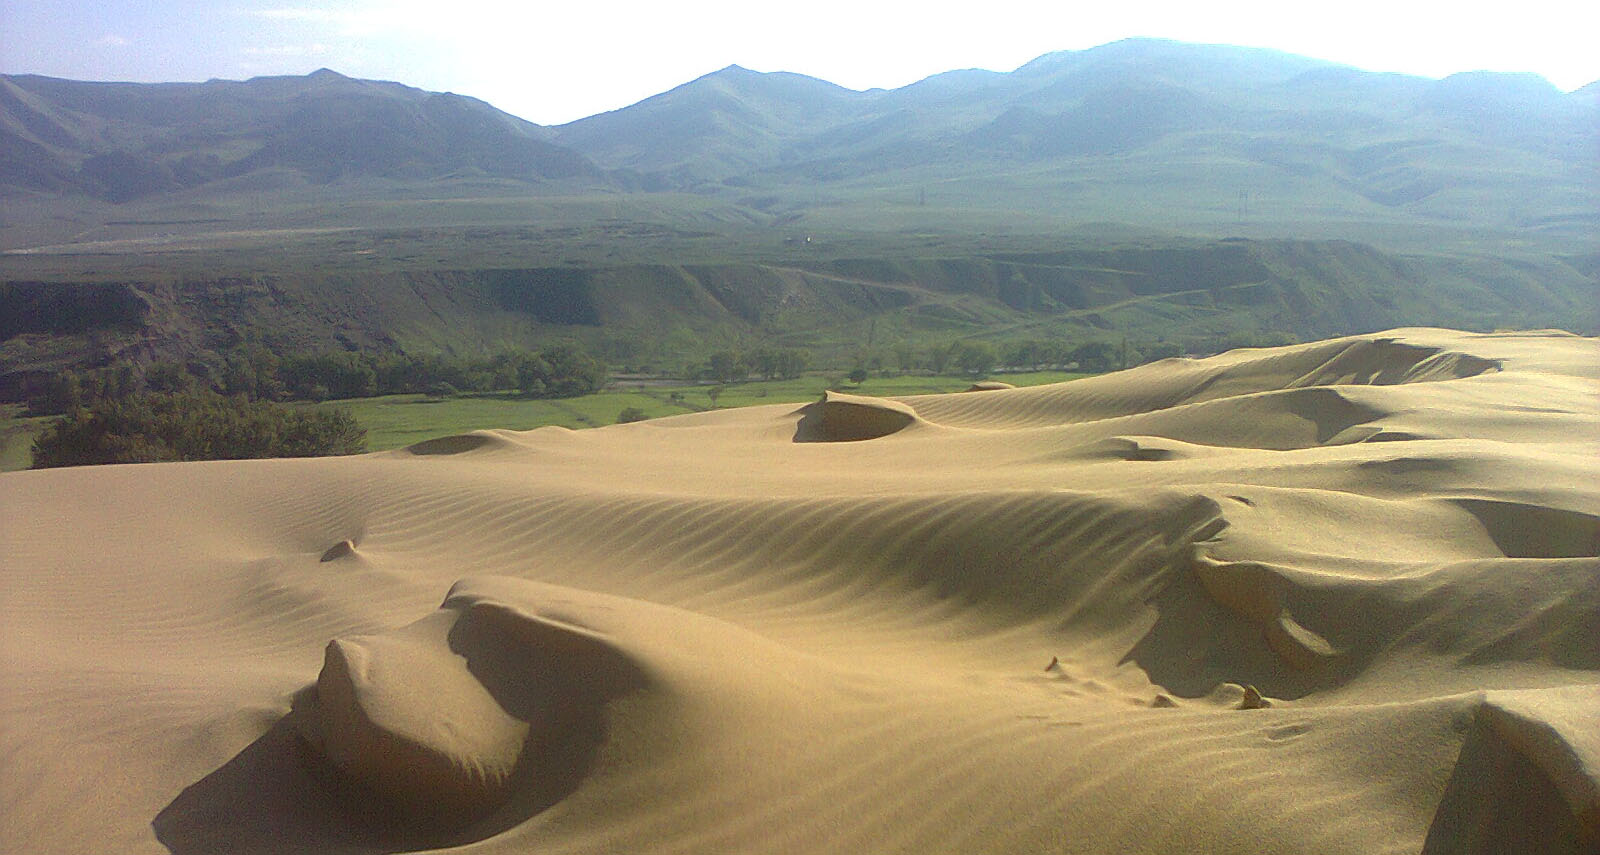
(1528, 779)
(850, 418)
(435, 720)
(476, 441)
(1339, 597)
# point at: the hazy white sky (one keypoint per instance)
(554, 62)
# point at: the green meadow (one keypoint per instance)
(395, 421)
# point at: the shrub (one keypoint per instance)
(631, 414)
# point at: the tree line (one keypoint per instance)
(202, 425)
(256, 373)
(168, 411)
(768, 363)
(970, 357)
(975, 357)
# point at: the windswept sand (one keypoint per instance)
(1341, 597)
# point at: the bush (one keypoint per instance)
(198, 426)
(631, 414)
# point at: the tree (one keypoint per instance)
(857, 375)
(572, 372)
(631, 414)
(525, 371)
(118, 381)
(168, 378)
(193, 426)
(973, 357)
(59, 393)
(1095, 356)
(338, 373)
(1163, 350)
(765, 361)
(725, 366)
(792, 363)
(714, 393)
(1030, 354)
(905, 357)
(252, 372)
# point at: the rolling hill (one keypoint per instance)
(1190, 138)
(1312, 139)
(1145, 188)
(124, 141)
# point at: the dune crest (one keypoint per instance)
(852, 418)
(1337, 597)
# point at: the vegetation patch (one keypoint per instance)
(148, 428)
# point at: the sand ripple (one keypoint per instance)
(1340, 597)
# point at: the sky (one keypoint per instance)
(554, 62)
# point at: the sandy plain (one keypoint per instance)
(1335, 597)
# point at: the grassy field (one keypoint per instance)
(16, 437)
(396, 421)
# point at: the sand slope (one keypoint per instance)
(1337, 597)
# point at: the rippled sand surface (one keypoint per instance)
(1341, 597)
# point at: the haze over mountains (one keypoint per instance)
(1146, 189)
(1157, 98)
(1089, 131)
(122, 141)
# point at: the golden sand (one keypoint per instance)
(1341, 597)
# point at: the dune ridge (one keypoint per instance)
(1334, 597)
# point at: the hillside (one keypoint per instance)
(1203, 295)
(1219, 128)
(1143, 188)
(1197, 139)
(123, 141)
(727, 122)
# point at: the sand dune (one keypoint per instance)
(1340, 597)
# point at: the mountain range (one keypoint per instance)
(122, 141)
(1144, 189)
(1198, 133)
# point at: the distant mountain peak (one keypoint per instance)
(320, 127)
(1525, 82)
